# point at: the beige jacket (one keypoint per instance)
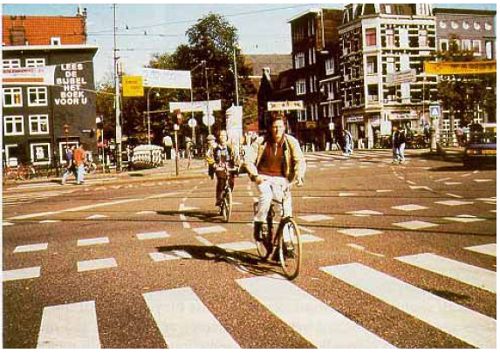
(295, 163)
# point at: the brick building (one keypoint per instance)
(38, 120)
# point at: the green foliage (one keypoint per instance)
(463, 95)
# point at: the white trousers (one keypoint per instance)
(272, 187)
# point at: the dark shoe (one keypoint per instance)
(276, 255)
(258, 230)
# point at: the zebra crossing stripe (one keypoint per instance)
(465, 324)
(487, 249)
(322, 325)
(31, 247)
(472, 275)
(69, 326)
(185, 322)
(21, 273)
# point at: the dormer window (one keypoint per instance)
(55, 40)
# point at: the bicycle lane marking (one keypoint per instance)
(276, 294)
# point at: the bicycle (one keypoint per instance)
(226, 205)
(286, 242)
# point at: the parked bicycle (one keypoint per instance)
(20, 172)
(285, 243)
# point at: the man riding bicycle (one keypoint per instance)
(273, 165)
(220, 158)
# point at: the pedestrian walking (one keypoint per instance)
(398, 139)
(348, 143)
(70, 166)
(79, 161)
(167, 143)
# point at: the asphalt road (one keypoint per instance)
(394, 256)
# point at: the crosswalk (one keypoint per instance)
(185, 321)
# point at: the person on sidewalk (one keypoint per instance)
(348, 143)
(79, 160)
(70, 166)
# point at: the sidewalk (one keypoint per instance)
(166, 172)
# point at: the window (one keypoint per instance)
(13, 125)
(476, 47)
(300, 87)
(371, 37)
(422, 38)
(37, 96)
(389, 37)
(40, 153)
(477, 26)
(11, 63)
(55, 41)
(465, 25)
(489, 50)
(403, 38)
(466, 44)
(390, 65)
(442, 24)
(39, 124)
(443, 44)
(300, 115)
(12, 97)
(487, 26)
(12, 155)
(299, 60)
(454, 24)
(62, 150)
(35, 62)
(329, 66)
(388, 9)
(371, 65)
(404, 62)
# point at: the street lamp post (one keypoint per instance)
(331, 126)
(176, 128)
(235, 75)
(149, 119)
(208, 99)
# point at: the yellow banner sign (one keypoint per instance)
(460, 68)
(132, 86)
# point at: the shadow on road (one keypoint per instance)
(461, 168)
(245, 261)
(213, 217)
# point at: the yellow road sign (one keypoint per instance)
(460, 67)
(132, 86)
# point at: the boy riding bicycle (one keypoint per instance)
(273, 165)
(221, 158)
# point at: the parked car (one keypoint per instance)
(481, 150)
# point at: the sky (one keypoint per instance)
(159, 27)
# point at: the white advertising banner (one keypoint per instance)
(166, 78)
(42, 75)
(285, 105)
(199, 106)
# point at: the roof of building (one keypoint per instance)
(464, 11)
(315, 10)
(38, 30)
(275, 62)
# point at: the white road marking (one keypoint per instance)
(482, 180)
(417, 187)
(50, 221)
(359, 232)
(31, 247)
(146, 212)
(443, 179)
(323, 326)
(75, 209)
(186, 225)
(362, 248)
(415, 225)
(21, 273)
(364, 213)
(465, 324)
(456, 196)
(152, 235)
(203, 241)
(454, 203)
(464, 218)
(383, 190)
(208, 230)
(309, 230)
(487, 249)
(185, 322)
(97, 264)
(453, 183)
(310, 197)
(462, 272)
(315, 217)
(92, 241)
(410, 182)
(97, 216)
(5, 224)
(410, 207)
(240, 245)
(69, 326)
(171, 255)
(346, 194)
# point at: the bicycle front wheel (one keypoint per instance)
(290, 248)
(227, 205)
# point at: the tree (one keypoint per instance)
(463, 95)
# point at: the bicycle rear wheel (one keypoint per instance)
(290, 248)
(227, 205)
